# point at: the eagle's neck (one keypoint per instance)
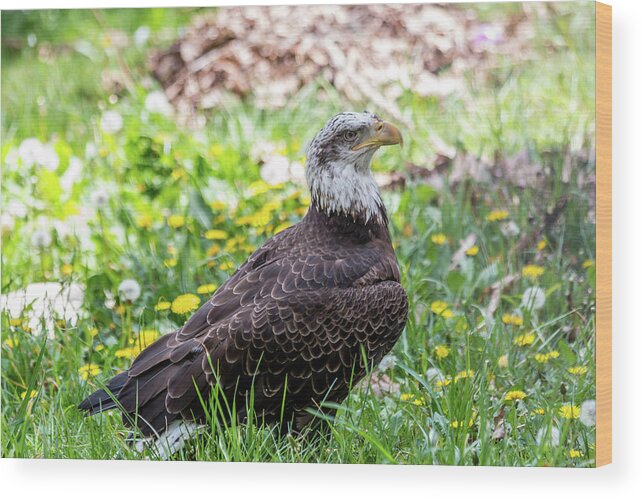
(346, 190)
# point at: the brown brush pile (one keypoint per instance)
(369, 53)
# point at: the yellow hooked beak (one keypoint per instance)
(383, 134)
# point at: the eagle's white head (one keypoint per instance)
(338, 164)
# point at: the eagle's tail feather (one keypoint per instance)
(103, 399)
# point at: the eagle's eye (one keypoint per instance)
(350, 135)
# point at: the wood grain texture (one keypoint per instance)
(603, 234)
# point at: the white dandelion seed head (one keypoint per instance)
(262, 150)
(388, 362)
(91, 151)
(533, 298)
(554, 436)
(41, 239)
(12, 159)
(17, 209)
(510, 229)
(111, 122)
(433, 374)
(156, 102)
(76, 226)
(49, 158)
(43, 302)
(99, 198)
(129, 290)
(72, 174)
(33, 152)
(275, 170)
(141, 35)
(28, 151)
(588, 413)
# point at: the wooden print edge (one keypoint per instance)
(603, 234)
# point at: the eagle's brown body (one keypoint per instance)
(298, 324)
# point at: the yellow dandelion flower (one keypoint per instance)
(473, 250)
(162, 305)
(11, 342)
(577, 370)
(213, 250)
(405, 397)
(512, 320)
(227, 266)
(524, 339)
(217, 149)
(15, 322)
(497, 215)
(573, 453)
(418, 402)
(464, 375)
(170, 262)
(532, 271)
(206, 289)
(218, 205)
(569, 411)
(437, 307)
(515, 395)
(176, 221)
(88, 370)
(66, 269)
(93, 331)
(216, 234)
(120, 309)
(503, 361)
(126, 353)
(244, 220)
(258, 187)
(439, 239)
(442, 383)
(447, 314)
(588, 263)
(460, 424)
(32, 394)
(185, 303)
(144, 221)
(542, 244)
(178, 173)
(99, 348)
(258, 219)
(441, 308)
(541, 358)
(146, 337)
(538, 411)
(442, 351)
(271, 206)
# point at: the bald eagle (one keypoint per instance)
(297, 325)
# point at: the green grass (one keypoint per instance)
(154, 168)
